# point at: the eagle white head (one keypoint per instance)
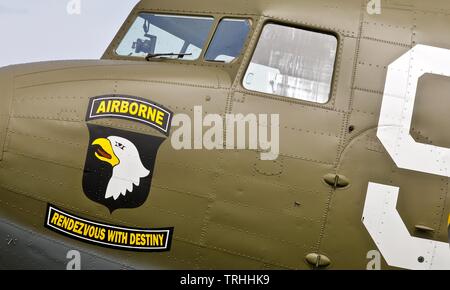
(126, 162)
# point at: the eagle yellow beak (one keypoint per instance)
(105, 152)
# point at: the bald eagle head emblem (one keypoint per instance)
(127, 166)
(119, 167)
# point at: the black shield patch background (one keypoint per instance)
(98, 173)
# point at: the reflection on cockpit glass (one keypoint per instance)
(293, 62)
(228, 40)
(169, 36)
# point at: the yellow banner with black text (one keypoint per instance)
(106, 235)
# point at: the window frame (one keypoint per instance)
(256, 40)
(245, 45)
(231, 67)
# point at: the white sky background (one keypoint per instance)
(39, 30)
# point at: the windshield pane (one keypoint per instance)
(228, 40)
(165, 34)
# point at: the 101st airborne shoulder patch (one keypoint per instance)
(119, 167)
(119, 164)
(118, 173)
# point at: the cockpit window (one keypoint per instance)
(168, 36)
(228, 40)
(293, 62)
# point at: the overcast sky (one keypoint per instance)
(37, 30)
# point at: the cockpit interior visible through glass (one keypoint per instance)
(168, 36)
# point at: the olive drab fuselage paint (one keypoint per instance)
(358, 177)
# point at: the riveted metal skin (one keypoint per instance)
(229, 209)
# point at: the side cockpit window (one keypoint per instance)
(294, 63)
(169, 36)
(228, 40)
